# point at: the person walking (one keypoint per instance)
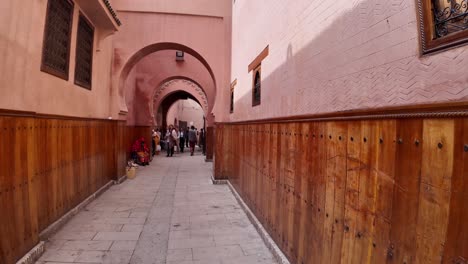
(175, 137)
(170, 139)
(192, 139)
(186, 137)
(182, 140)
(157, 141)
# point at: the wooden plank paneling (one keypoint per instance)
(353, 167)
(6, 193)
(301, 183)
(355, 191)
(336, 173)
(48, 165)
(456, 247)
(384, 174)
(408, 140)
(434, 194)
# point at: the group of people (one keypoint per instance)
(176, 140)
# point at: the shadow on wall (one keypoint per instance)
(363, 59)
(360, 195)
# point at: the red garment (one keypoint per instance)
(141, 150)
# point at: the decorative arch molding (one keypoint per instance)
(135, 58)
(196, 80)
(189, 86)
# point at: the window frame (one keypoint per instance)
(44, 67)
(258, 70)
(78, 82)
(429, 44)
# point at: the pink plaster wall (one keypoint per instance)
(130, 96)
(202, 25)
(173, 113)
(151, 72)
(328, 56)
(214, 8)
(25, 87)
(188, 111)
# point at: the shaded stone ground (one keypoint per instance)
(171, 213)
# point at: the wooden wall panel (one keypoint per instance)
(456, 247)
(48, 165)
(434, 190)
(18, 224)
(354, 191)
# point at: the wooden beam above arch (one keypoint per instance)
(260, 57)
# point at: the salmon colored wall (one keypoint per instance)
(214, 8)
(173, 113)
(327, 56)
(130, 96)
(151, 72)
(188, 111)
(202, 25)
(25, 87)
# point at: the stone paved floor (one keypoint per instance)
(171, 213)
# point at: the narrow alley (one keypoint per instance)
(170, 213)
(331, 131)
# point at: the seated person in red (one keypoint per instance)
(140, 152)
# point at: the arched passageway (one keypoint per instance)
(145, 77)
(169, 101)
(164, 104)
(186, 85)
(210, 87)
(153, 73)
(184, 113)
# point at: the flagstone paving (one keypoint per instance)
(170, 213)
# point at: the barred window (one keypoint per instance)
(233, 85)
(231, 109)
(84, 53)
(57, 35)
(256, 87)
(444, 24)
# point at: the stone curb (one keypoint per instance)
(120, 180)
(270, 243)
(33, 255)
(218, 182)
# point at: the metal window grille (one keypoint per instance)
(232, 102)
(257, 87)
(57, 35)
(450, 16)
(84, 53)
